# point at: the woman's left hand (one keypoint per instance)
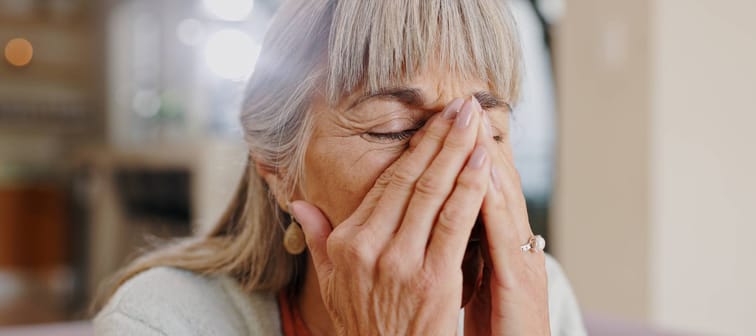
(512, 296)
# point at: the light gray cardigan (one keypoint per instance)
(169, 301)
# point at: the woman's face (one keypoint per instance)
(353, 143)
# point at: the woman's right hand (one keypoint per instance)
(394, 266)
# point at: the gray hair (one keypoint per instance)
(333, 48)
(371, 45)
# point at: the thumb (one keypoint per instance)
(316, 228)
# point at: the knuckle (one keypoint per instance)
(396, 264)
(379, 186)
(385, 177)
(427, 186)
(457, 145)
(349, 250)
(448, 219)
(390, 263)
(403, 177)
(356, 253)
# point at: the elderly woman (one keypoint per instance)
(377, 133)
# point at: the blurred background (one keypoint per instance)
(118, 126)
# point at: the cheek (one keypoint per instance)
(339, 175)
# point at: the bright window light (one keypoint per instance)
(231, 54)
(229, 10)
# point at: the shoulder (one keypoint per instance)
(170, 301)
(564, 311)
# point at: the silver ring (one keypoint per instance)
(535, 243)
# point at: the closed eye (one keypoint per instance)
(401, 136)
(406, 134)
(393, 136)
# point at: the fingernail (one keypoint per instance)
(487, 124)
(452, 109)
(465, 115)
(477, 103)
(478, 157)
(495, 179)
(293, 211)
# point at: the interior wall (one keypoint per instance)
(600, 218)
(655, 180)
(704, 162)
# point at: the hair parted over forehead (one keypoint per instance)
(378, 44)
(340, 47)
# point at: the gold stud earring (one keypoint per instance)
(294, 238)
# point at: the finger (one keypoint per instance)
(503, 159)
(437, 182)
(374, 194)
(451, 233)
(367, 205)
(418, 137)
(504, 209)
(390, 209)
(316, 228)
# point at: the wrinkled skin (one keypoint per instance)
(388, 209)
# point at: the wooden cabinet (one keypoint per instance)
(34, 226)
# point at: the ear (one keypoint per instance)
(275, 182)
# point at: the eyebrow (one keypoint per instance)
(406, 95)
(414, 97)
(489, 101)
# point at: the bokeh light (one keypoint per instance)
(229, 10)
(19, 52)
(231, 54)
